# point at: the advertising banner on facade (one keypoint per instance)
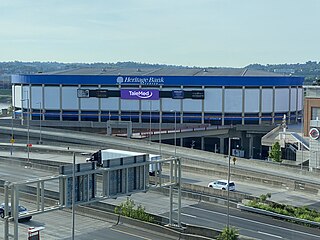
(140, 94)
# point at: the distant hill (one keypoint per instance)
(310, 70)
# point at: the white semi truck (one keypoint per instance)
(107, 154)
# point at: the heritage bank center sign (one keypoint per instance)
(141, 80)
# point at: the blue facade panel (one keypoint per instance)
(267, 81)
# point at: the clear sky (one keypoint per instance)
(216, 33)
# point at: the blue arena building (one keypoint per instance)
(204, 96)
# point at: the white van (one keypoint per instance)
(222, 185)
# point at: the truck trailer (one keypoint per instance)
(107, 154)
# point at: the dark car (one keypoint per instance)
(22, 212)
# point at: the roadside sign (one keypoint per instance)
(12, 140)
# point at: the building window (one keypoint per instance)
(315, 113)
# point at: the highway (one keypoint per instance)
(58, 225)
(193, 212)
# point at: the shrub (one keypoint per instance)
(127, 209)
(263, 198)
(228, 234)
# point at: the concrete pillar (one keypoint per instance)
(202, 143)
(250, 146)
(222, 145)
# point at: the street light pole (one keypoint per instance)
(228, 200)
(228, 206)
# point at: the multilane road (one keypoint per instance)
(192, 212)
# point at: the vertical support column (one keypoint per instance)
(22, 104)
(181, 111)
(60, 99)
(202, 143)
(38, 196)
(250, 146)
(43, 103)
(221, 145)
(243, 104)
(119, 111)
(30, 102)
(179, 192)
(15, 211)
(42, 195)
(202, 109)
(273, 103)
(223, 105)
(170, 194)
(99, 105)
(127, 180)
(79, 106)
(260, 105)
(73, 194)
(297, 106)
(289, 112)
(6, 203)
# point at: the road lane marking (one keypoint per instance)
(271, 235)
(188, 215)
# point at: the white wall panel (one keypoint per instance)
(17, 97)
(192, 105)
(36, 97)
(70, 98)
(267, 100)
(233, 100)
(25, 96)
(282, 100)
(145, 105)
(293, 104)
(213, 100)
(110, 104)
(52, 98)
(171, 104)
(251, 100)
(129, 105)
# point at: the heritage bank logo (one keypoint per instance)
(141, 80)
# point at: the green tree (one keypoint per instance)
(275, 153)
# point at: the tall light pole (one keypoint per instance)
(228, 197)
(175, 132)
(12, 137)
(40, 118)
(28, 123)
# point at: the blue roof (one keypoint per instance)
(165, 77)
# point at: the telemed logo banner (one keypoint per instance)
(140, 94)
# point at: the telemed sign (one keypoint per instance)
(140, 94)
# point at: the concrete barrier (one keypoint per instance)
(255, 177)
